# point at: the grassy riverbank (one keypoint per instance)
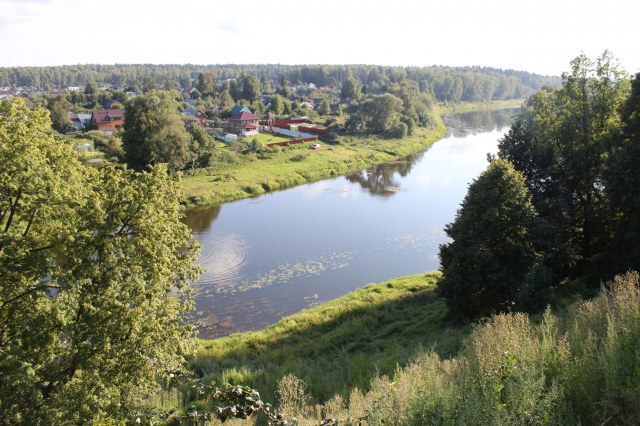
(294, 165)
(338, 345)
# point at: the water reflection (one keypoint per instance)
(471, 123)
(383, 180)
(201, 219)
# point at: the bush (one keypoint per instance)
(397, 131)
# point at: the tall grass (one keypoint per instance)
(339, 345)
(579, 368)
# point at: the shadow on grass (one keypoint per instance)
(340, 345)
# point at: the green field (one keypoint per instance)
(267, 138)
(340, 344)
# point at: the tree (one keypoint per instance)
(573, 128)
(486, 265)
(203, 147)
(250, 88)
(154, 132)
(266, 84)
(58, 109)
(226, 100)
(355, 123)
(206, 82)
(350, 89)
(91, 88)
(324, 108)
(94, 271)
(276, 105)
(149, 84)
(234, 90)
(381, 112)
(169, 84)
(622, 179)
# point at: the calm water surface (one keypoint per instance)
(272, 256)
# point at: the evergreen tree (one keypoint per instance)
(493, 248)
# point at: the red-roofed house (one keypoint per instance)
(108, 120)
(242, 123)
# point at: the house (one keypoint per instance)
(189, 90)
(308, 105)
(113, 104)
(198, 114)
(243, 124)
(239, 108)
(108, 120)
(79, 121)
(191, 101)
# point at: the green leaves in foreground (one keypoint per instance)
(94, 271)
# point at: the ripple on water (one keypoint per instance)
(223, 257)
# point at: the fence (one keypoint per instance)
(314, 130)
(293, 142)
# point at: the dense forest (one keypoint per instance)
(444, 83)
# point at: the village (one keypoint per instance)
(241, 124)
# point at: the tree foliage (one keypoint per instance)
(251, 88)
(350, 89)
(381, 112)
(493, 245)
(58, 109)
(206, 82)
(324, 108)
(94, 267)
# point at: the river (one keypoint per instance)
(275, 255)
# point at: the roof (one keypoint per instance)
(243, 116)
(190, 111)
(107, 114)
(191, 101)
(239, 108)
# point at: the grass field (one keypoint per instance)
(267, 138)
(340, 344)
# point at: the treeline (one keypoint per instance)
(444, 83)
(557, 211)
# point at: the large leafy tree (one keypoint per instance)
(381, 112)
(564, 155)
(154, 132)
(494, 245)
(58, 109)
(350, 89)
(206, 82)
(94, 267)
(250, 88)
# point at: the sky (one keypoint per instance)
(539, 36)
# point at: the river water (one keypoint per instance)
(275, 255)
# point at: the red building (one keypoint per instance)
(243, 124)
(108, 120)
